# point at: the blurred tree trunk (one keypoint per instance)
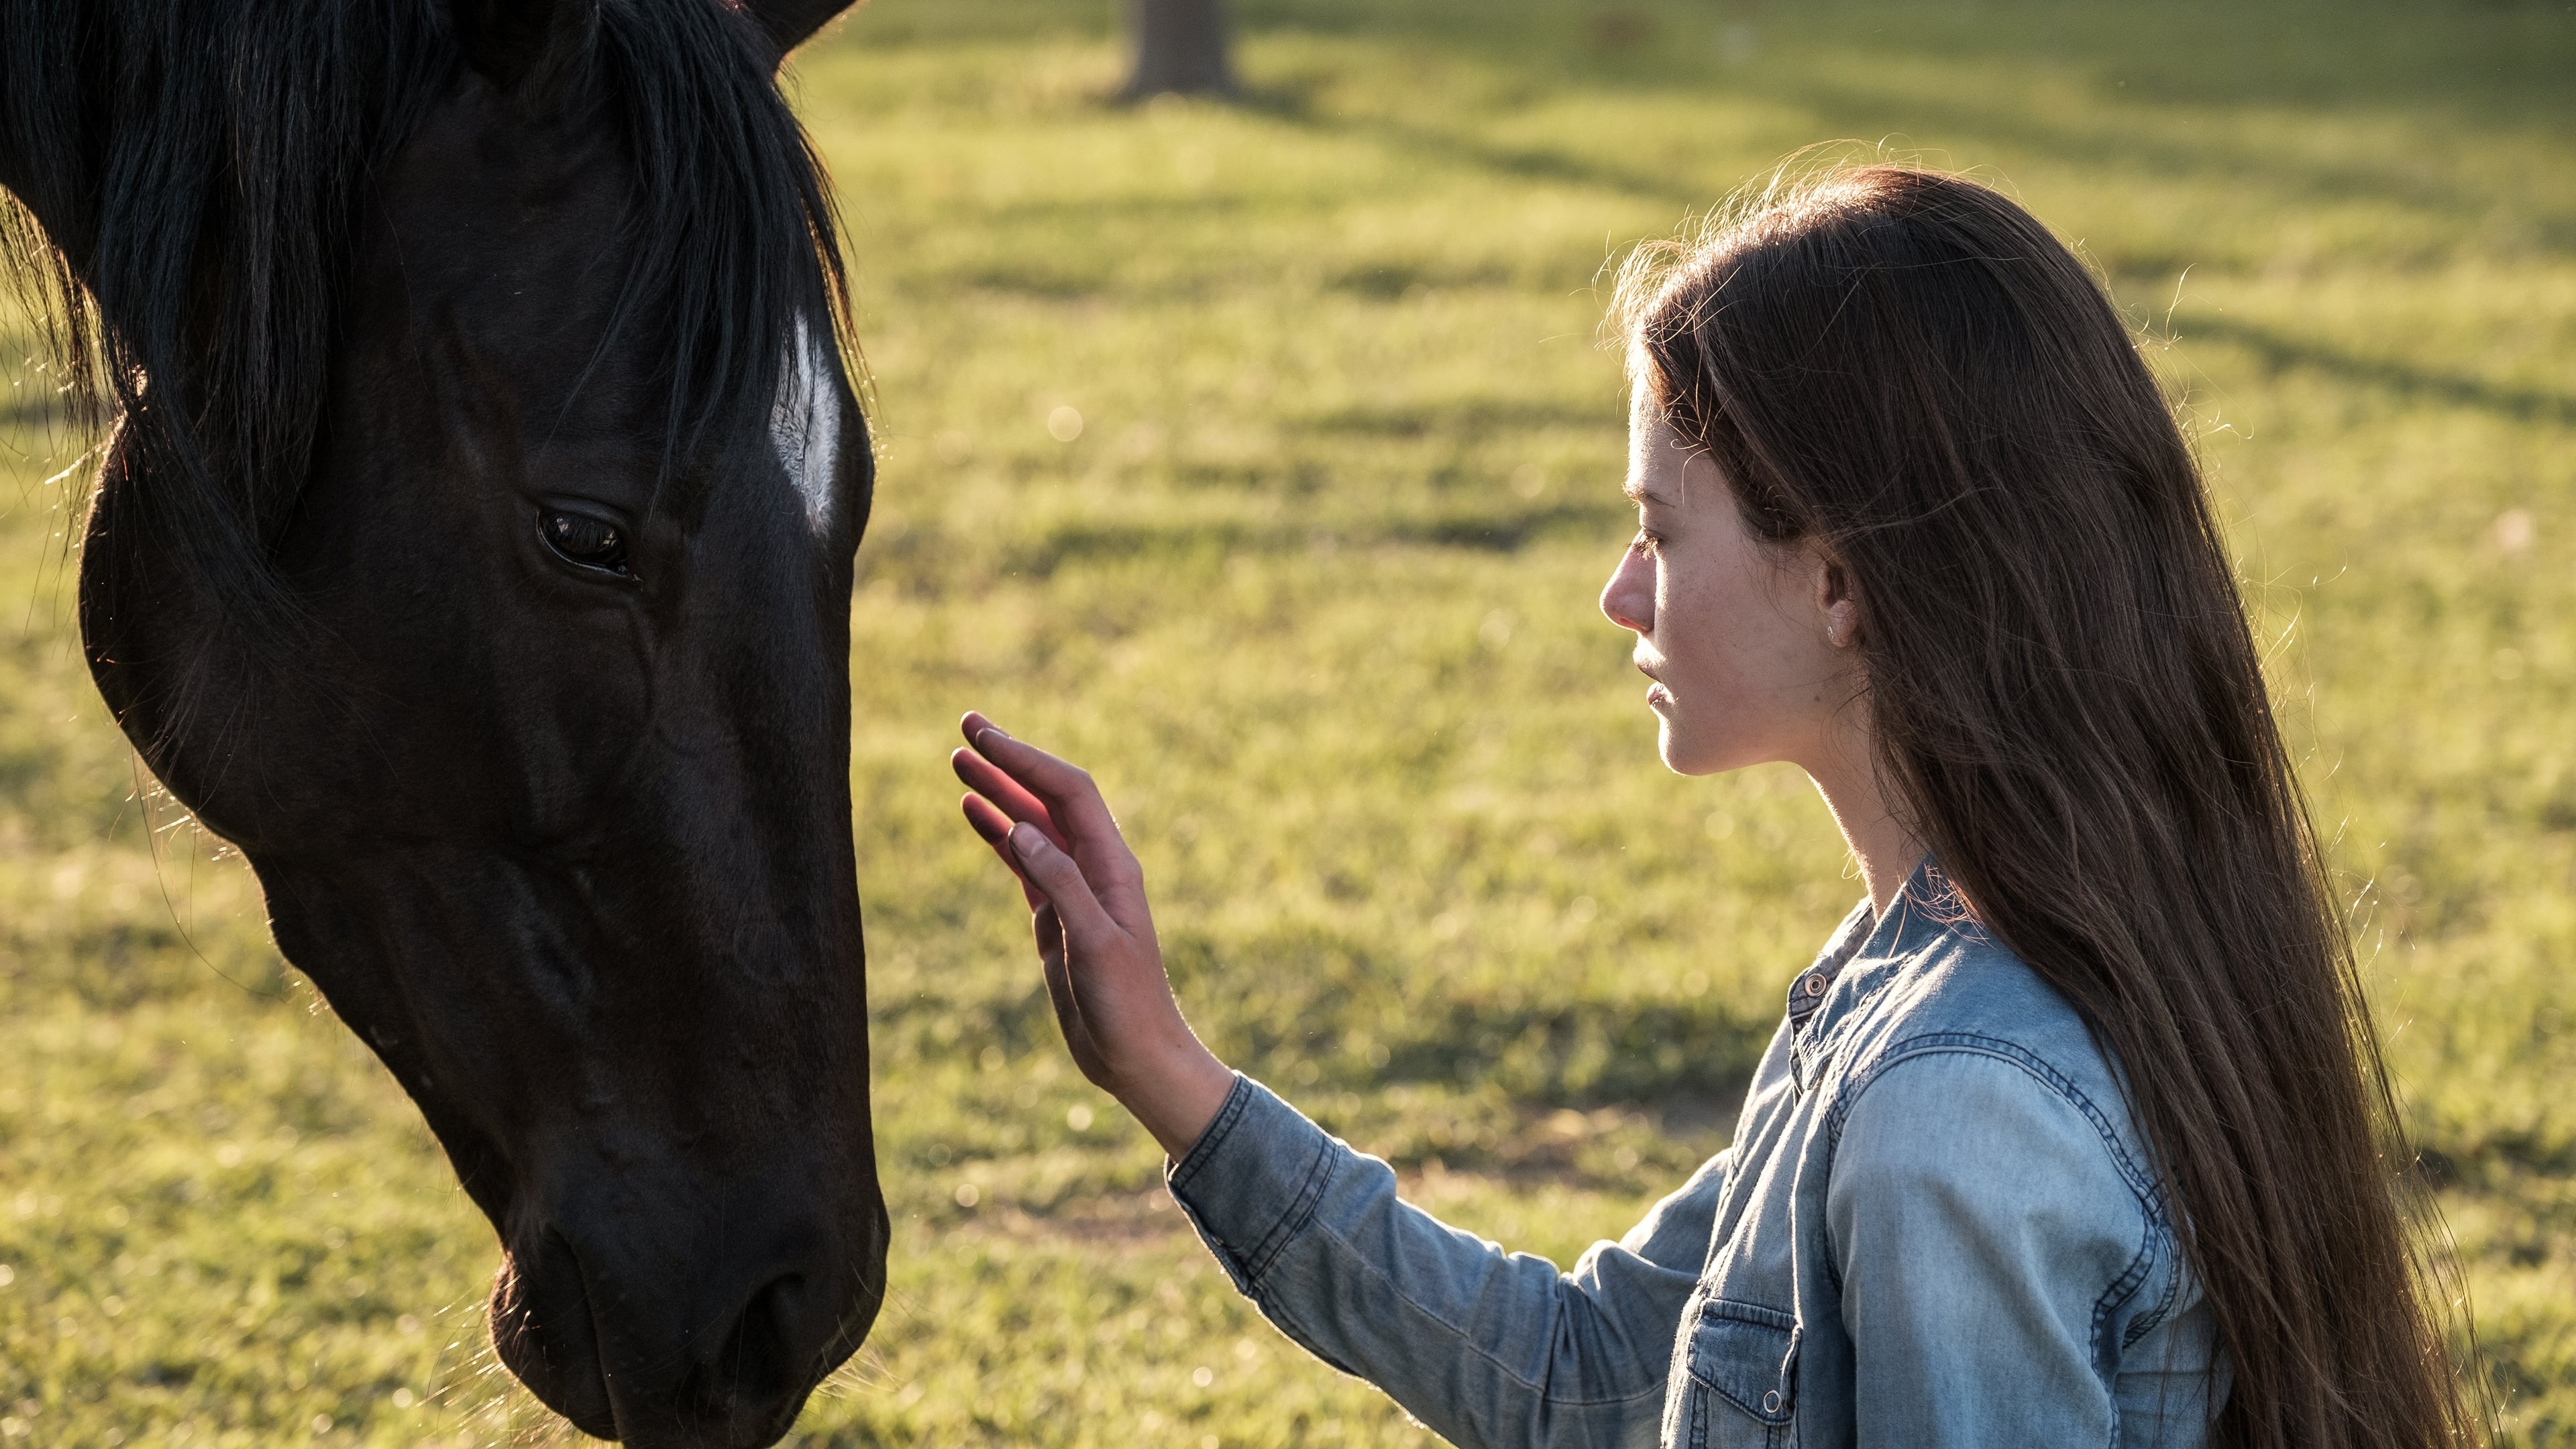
(1180, 49)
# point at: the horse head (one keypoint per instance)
(522, 680)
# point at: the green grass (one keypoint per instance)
(1312, 592)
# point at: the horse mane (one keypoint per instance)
(202, 164)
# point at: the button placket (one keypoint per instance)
(1806, 993)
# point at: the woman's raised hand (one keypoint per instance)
(1095, 935)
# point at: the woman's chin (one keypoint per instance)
(1684, 753)
(1675, 746)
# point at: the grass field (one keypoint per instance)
(1312, 592)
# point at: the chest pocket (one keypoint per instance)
(1743, 1365)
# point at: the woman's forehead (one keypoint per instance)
(1658, 458)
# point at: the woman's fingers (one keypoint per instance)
(1058, 797)
(1064, 789)
(994, 782)
(1087, 927)
(1067, 1002)
(988, 780)
(994, 828)
(987, 820)
(1050, 937)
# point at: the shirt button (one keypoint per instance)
(1771, 1402)
(1815, 986)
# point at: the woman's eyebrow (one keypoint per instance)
(1638, 492)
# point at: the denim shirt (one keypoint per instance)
(1936, 1225)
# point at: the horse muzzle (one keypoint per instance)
(704, 1325)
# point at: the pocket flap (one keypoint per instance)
(1748, 1354)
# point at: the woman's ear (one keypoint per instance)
(1837, 602)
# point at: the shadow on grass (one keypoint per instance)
(1510, 163)
(1489, 530)
(2398, 60)
(2114, 140)
(1473, 417)
(2278, 351)
(2505, 59)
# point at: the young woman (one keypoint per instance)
(2075, 1132)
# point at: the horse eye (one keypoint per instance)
(579, 538)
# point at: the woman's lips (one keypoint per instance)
(1657, 697)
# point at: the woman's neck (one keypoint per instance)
(1846, 774)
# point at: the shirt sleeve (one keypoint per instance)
(1994, 1247)
(1490, 1349)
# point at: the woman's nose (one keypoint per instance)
(1629, 598)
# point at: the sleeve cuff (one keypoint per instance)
(1251, 1182)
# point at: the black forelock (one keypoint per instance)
(199, 165)
(736, 233)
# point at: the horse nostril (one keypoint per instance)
(542, 1327)
(763, 1356)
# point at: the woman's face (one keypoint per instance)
(1747, 642)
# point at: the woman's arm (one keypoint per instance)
(1489, 1348)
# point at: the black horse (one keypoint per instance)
(473, 548)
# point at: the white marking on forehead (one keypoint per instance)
(805, 424)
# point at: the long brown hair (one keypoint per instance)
(1908, 370)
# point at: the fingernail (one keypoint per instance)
(990, 732)
(1026, 840)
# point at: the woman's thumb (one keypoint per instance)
(1055, 873)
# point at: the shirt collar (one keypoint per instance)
(1807, 990)
(1860, 958)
